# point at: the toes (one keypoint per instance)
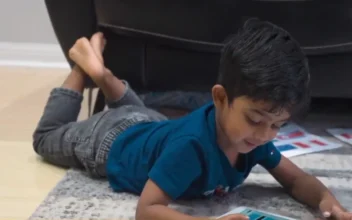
(82, 43)
(72, 53)
(79, 45)
(98, 35)
(96, 39)
(78, 49)
(97, 42)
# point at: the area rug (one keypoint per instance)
(79, 197)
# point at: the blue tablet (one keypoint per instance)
(254, 214)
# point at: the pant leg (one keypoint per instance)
(128, 98)
(58, 133)
(63, 141)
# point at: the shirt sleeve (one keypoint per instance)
(269, 156)
(178, 166)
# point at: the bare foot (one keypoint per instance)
(84, 56)
(88, 55)
(98, 44)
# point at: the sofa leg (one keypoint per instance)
(100, 102)
(90, 98)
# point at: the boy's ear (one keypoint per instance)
(219, 96)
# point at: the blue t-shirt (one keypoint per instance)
(182, 157)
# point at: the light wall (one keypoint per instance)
(25, 21)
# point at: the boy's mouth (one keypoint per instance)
(250, 144)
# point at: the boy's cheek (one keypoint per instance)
(238, 131)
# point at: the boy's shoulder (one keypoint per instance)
(199, 124)
(195, 131)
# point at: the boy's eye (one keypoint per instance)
(252, 121)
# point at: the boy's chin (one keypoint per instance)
(246, 149)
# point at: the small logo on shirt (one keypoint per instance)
(218, 191)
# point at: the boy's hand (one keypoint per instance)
(234, 217)
(330, 210)
(337, 213)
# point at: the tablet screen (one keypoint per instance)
(258, 215)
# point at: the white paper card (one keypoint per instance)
(293, 140)
(343, 134)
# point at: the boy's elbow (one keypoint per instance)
(149, 212)
(142, 213)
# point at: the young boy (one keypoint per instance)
(263, 82)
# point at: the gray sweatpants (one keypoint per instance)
(63, 141)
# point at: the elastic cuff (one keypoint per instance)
(112, 102)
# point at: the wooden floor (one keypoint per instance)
(25, 179)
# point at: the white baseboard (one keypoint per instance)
(32, 55)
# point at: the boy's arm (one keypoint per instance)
(178, 166)
(173, 172)
(153, 205)
(307, 189)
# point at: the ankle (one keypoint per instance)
(76, 70)
(110, 79)
(112, 87)
(103, 77)
(74, 81)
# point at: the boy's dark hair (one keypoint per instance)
(263, 62)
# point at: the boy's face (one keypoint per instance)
(244, 123)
